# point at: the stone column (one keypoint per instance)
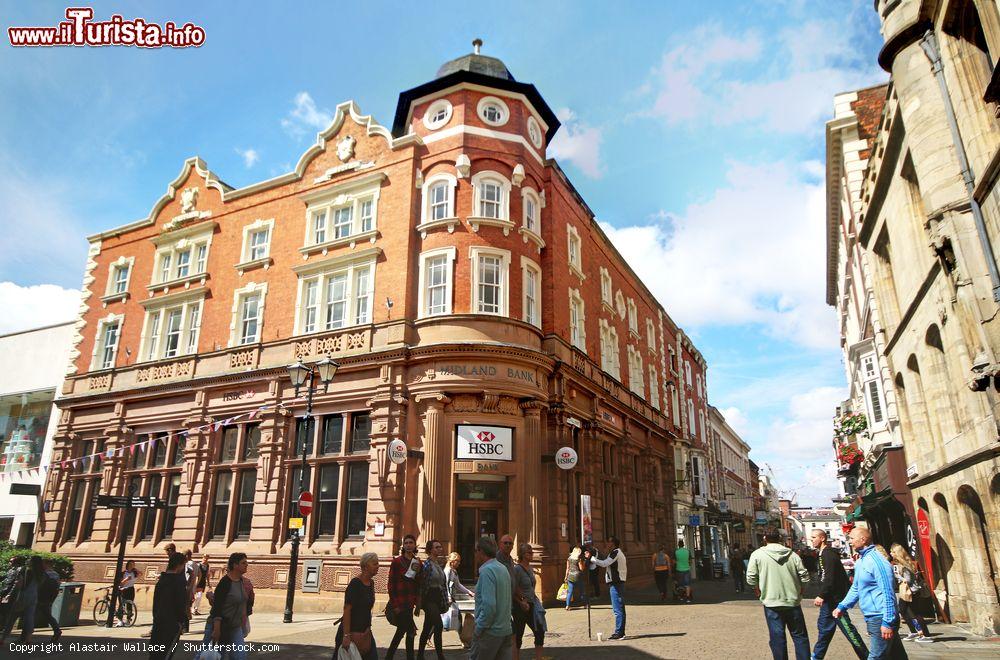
(112, 481)
(270, 504)
(532, 462)
(436, 502)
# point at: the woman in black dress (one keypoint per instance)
(359, 599)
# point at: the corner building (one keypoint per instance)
(466, 292)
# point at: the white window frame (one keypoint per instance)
(610, 350)
(607, 297)
(574, 251)
(352, 295)
(534, 133)
(503, 183)
(434, 109)
(504, 111)
(353, 195)
(504, 286)
(651, 335)
(633, 317)
(654, 387)
(237, 313)
(866, 384)
(636, 375)
(246, 258)
(196, 269)
(121, 263)
(426, 217)
(449, 253)
(97, 361)
(692, 430)
(531, 312)
(577, 332)
(152, 346)
(529, 199)
(687, 372)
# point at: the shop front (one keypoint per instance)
(886, 505)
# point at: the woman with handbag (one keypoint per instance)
(433, 598)
(912, 587)
(572, 579)
(356, 625)
(528, 610)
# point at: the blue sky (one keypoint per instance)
(693, 130)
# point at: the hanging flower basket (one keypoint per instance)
(849, 425)
(849, 455)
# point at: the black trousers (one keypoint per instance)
(432, 626)
(661, 581)
(405, 628)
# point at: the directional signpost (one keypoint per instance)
(127, 502)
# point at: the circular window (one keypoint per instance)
(493, 111)
(534, 133)
(438, 114)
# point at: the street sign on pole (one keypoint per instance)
(295, 523)
(305, 503)
(129, 501)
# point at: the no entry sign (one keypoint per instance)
(305, 503)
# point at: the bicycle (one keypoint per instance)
(101, 607)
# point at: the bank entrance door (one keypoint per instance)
(481, 512)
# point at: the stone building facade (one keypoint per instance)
(732, 487)
(477, 313)
(928, 227)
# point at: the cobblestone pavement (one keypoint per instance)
(719, 625)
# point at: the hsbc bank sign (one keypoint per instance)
(494, 443)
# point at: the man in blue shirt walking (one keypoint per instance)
(874, 589)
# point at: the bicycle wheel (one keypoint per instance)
(101, 612)
(130, 613)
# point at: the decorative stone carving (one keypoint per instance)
(491, 402)
(189, 200)
(165, 371)
(465, 403)
(242, 359)
(345, 148)
(101, 382)
(518, 175)
(508, 406)
(342, 343)
(463, 166)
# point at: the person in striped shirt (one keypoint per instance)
(874, 591)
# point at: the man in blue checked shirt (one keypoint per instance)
(874, 589)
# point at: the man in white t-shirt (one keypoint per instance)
(617, 569)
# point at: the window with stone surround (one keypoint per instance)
(577, 320)
(633, 317)
(335, 296)
(651, 335)
(337, 449)
(438, 195)
(531, 288)
(491, 196)
(490, 280)
(157, 472)
(234, 478)
(171, 326)
(248, 314)
(84, 485)
(636, 380)
(654, 388)
(119, 275)
(256, 244)
(574, 250)
(106, 342)
(436, 281)
(606, 296)
(610, 359)
(342, 214)
(185, 258)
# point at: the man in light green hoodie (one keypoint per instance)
(778, 575)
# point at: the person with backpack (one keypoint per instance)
(48, 591)
(433, 598)
(661, 570)
(778, 574)
(912, 587)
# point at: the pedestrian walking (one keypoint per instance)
(359, 599)
(682, 569)
(616, 569)
(169, 609)
(574, 577)
(25, 599)
(738, 569)
(452, 619)
(8, 587)
(833, 586)
(433, 598)
(126, 590)
(912, 589)
(779, 575)
(874, 591)
(504, 553)
(661, 570)
(48, 591)
(528, 610)
(491, 639)
(404, 595)
(204, 583)
(232, 605)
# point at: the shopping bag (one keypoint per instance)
(452, 619)
(350, 653)
(563, 591)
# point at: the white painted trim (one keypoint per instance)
(254, 226)
(528, 264)
(526, 194)
(350, 193)
(432, 109)
(533, 125)
(493, 100)
(474, 253)
(348, 265)
(99, 341)
(496, 177)
(449, 252)
(368, 254)
(110, 295)
(574, 296)
(463, 129)
(186, 301)
(517, 96)
(425, 203)
(238, 295)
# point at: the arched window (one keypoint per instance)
(438, 198)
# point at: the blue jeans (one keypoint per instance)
(228, 645)
(826, 626)
(884, 649)
(571, 588)
(779, 618)
(618, 606)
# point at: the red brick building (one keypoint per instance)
(463, 287)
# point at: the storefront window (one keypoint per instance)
(24, 421)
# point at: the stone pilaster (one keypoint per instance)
(385, 479)
(269, 499)
(436, 501)
(532, 469)
(190, 526)
(117, 436)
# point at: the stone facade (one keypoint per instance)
(493, 301)
(927, 225)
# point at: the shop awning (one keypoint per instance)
(854, 515)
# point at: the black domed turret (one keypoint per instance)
(476, 63)
(473, 69)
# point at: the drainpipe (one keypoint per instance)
(930, 46)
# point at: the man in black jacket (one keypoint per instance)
(833, 586)
(170, 608)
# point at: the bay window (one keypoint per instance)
(491, 196)
(343, 213)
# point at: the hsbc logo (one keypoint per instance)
(495, 443)
(566, 458)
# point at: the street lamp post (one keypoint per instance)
(303, 374)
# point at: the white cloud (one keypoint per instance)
(27, 307)
(723, 77)
(736, 419)
(250, 156)
(305, 116)
(578, 143)
(751, 253)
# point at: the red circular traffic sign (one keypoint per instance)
(305, 503)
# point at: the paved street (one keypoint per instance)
(720, 625)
